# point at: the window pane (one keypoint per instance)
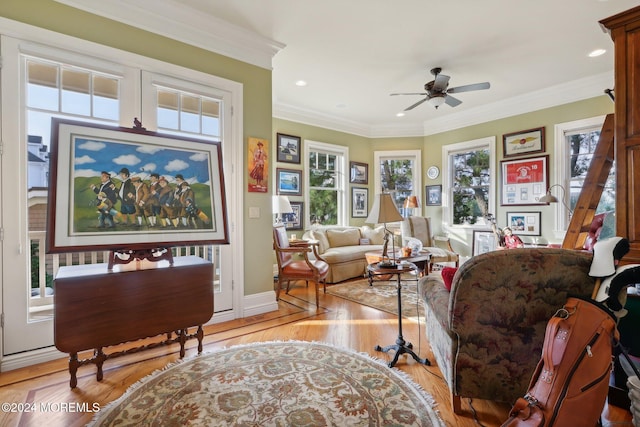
(470, 185)
(75, 92)
(396, 176)
(323, 207)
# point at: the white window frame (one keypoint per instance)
(414, 155)
(342, 182)
(561, 167)
(489, 143)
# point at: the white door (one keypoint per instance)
(39, 83)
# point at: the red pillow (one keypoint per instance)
(447, 276)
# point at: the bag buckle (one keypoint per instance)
(531, 400)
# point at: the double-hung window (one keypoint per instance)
(398, 173)
(326, 181)
(469, 181)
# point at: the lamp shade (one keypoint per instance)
(411, 202)
(280, 205)
(384, 210)
(548, 198)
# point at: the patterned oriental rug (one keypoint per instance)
(383, 295)
(274, 384)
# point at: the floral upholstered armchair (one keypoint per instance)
(487, 332)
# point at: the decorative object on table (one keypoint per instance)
(359, 202)
(358, 173)
(289, 182)
(524, 180)
(258, 161)
(410, 203)
(433, 172)
(401, 346)
(550, 198)
(414, 245)
(294, 220)
(523, 142)
(524, 223)
(274, 383)
(433, 195)
(280, 205)
(82, 209)
(288, 148)
(384, 210)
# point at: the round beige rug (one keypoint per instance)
(274, 384)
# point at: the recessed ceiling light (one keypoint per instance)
(597, 52)
(400, 114)
(301, 83)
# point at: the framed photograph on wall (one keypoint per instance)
(483, 242)
(98, 173)
(433, 195)
(293, 220)
(288, 148)
(359, 202)
(523, 143)
(358, 173)
(524, 223)
(524, 181)
(289, 182)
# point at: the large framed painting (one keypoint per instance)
(115, 188)
(524, 181)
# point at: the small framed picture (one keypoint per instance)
(523, 142)
(524, 223)
(289, 182)
(433, 195)
(359, 202)
(483, 242)
(293, 220)
(359, 173)
(288, 148)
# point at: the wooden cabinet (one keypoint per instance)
(625, 32)
(96, 308)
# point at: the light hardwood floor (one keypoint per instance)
(337, 321)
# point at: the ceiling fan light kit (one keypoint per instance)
(437, 91)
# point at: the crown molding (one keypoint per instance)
(179, 22)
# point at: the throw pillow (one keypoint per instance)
(343, 237)
(375, 235)
(447, 276)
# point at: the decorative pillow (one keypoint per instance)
(348, 237)
(447, 276)
(375, 235)
(321, 237)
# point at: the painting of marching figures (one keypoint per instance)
(116, 188)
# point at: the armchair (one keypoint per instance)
(290, 269)
(419, 227)
(487, 332)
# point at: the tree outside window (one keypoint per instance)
(396, 176)
(471, 185)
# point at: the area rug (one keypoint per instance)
(383, 295)
(290, 383)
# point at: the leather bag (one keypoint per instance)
(570, 384)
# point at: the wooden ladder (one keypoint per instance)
(592, 188)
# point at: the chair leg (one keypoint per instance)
(456, 404)
(317, 298)
(278, 286)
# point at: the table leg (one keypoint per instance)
(401, 346)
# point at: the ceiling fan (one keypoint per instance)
(437, 91)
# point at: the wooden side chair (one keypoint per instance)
(291, 269)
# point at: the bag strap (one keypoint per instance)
(626, 355)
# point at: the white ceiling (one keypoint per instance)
(354, 53)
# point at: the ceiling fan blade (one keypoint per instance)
(468, 88)
(451, 101)
(440, 83)
(414, 93)
(416, 104)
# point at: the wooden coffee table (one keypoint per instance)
(421, 260)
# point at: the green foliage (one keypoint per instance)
(35, 268)
(470, 188)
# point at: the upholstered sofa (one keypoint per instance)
(487, 332)
(344, 251)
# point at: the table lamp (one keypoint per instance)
(384, 210)
(280, 205)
